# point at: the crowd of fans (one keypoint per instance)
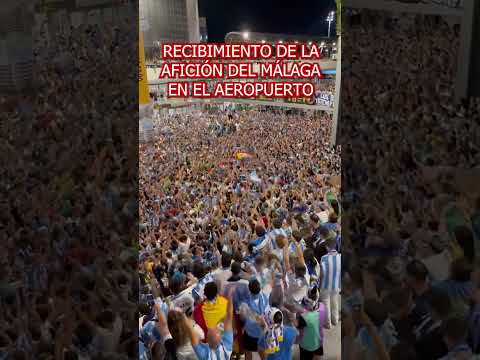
(410, 155)
(63, 221)
(239, 235)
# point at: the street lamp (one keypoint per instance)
(330, 18)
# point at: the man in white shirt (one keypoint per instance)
(224, 273)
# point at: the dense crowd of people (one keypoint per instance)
(410, 155)
(65, 221)
(240, 235)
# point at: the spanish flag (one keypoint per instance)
(242, 155)
(208, 314)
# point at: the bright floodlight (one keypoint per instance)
(330, 18)
(245, 35)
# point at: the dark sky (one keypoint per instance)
(300, 17)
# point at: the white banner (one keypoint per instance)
(324, 98)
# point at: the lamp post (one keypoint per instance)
(330, 18)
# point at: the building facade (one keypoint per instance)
(169, 20)
(16, 48)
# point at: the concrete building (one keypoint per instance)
(170, 20)
(16, 47)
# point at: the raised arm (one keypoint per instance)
(162, 325)
(286, 258)
(300, 253)
(192, 334)
(228, 323)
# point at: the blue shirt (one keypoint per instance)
(222, 352)
(330, 265)
(286, 346)
(258, 304)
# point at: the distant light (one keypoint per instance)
(296, 42)
(280, 41)
(322, 43)
(263, 41)
(245, 35)
(309, 43)
(334, 44)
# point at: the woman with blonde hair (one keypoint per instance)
(178, 329)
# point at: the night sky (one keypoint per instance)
(300, 17)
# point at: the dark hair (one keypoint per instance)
(417, 270)
(278, 317)
(333, 218)
(313, 293)
(376, 311)
(277, 223)
(83, 335)
(254, 286)
(331, 243)
(226, 259)
(455, 329)
(106, 318)
(399, 298)
(403, 351)
(464, 237)
(461, 270)
(236, 268)
(238, 257)
(440, 303)
(210, 291)
(300, 270)
(198, 269)
(144, 309)
(297, 235)
(323, 230)
(314, 218)
(259, 260)
(335, 206)
(259, 230)
(309, 255)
